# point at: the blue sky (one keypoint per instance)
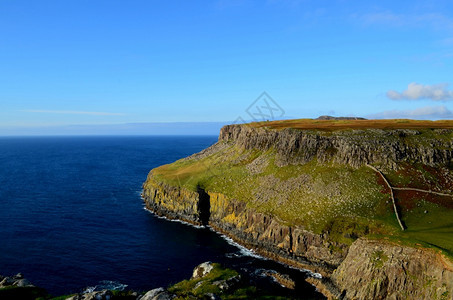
(114, 62)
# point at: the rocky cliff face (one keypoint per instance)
(265, 234)
(380, 270)
(367, 269)
(352, 147)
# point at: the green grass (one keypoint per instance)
(316, 196)
(428, 217)
(63, 297)
(431, 229)
(378, 258)
(201, 286)
(324, 197)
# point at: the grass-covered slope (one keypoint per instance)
(313, 195)
(428, 217)
(346, 201)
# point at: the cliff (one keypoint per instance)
(267, 235)
(352, 147)
(306, 197)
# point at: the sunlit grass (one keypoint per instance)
(332, 125)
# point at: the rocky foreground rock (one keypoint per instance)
(204, 284)
(17, 280)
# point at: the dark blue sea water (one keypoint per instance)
(71, 216)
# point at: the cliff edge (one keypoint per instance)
(367, 204)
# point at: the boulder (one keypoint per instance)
(158, 294)
(99, 295)
(283, 279)
(228, 284)
(211, 296)
(7, 281)
(16, 280)
(22, 283)
(202, 270)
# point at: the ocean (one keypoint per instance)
(72, 218)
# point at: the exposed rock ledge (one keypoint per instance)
(380, 270)
(350, 147)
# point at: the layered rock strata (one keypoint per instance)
(351, 147)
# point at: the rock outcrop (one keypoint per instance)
(351, 147)
(282, 279)
(202, 270)
(17, 287)
(96, 295)
(158, 294)
(382, 270)
(17, 280)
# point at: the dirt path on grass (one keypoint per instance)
(391, 193)
(423, 191)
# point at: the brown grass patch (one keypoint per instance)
(424, 177)
(332, 125)
(408, 199)
(380, 181)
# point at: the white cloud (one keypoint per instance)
(73, 112)
(428, 112)
(415, 91)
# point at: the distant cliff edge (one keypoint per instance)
(367, 204)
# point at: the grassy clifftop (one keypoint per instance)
(347, 124)
(313, 174)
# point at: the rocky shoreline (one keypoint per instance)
(269, 248)
(209, 281)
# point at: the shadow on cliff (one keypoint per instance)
(204, 205)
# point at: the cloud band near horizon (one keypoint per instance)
(428, 112)
(73, 112)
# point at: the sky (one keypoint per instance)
(78, 63)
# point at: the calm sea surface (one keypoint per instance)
(71, 217)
